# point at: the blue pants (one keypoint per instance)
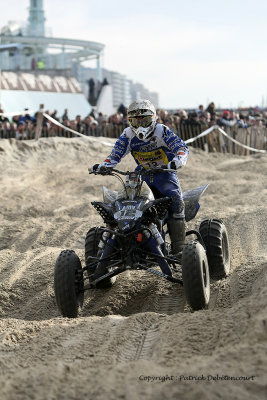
(166, 184)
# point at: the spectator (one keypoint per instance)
(27, 117)
(200, 109)
(40, 64)
(193, 119)
(169, 121)
(226, 120)
(162, 116)
(183, 117)
(94, 129)
(4, 125)
(116, 119)
(208, 117)
(240, 121)
(65, 116)
(91, 91)
(213, 121)
(203, 120)
(54, 115)
(92, 113)
(79, 123)
(20, 131)
(3, 118)
(15, 119)
(87, 122)
(211, 109)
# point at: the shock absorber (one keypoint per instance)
(155, 232)
(104, 238)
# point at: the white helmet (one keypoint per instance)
(142, 118)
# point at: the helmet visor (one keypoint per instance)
(141, 120)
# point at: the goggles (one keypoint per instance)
(141, 120)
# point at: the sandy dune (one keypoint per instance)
(141, 327)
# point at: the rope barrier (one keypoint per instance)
(11, 114)
(204, 133)
(216, 127)
(75, 132)
(240, 144)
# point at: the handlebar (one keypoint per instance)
(143, 172)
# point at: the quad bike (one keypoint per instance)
(134, 238)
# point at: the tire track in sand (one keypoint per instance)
(141, 339)
(172, 302)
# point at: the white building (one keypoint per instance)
(25, 47)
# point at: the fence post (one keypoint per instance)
(39, 124)
(247, 142)
(210, 142)
(219, 146)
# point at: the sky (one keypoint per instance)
(191, 52)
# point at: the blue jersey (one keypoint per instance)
(156, 151)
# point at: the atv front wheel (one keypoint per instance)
(68, 283)
(214, 235)
(195, 274)
(92, 240)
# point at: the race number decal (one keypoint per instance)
(151, 159)
(128, 213)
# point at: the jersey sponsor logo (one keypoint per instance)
(119, 151)
(151, 158)
(121, 142)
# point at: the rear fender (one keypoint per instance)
(191, 200)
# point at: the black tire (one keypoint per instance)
(195, 275)
(92, 240)
(215, 237)
(68, 283)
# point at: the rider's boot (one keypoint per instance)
(176, 228)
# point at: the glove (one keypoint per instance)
(104, 169)
(105, 166)
(94, 167)
(175, 163)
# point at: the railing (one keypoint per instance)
(254, 137)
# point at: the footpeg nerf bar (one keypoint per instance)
(92, 285)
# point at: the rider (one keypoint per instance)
(153, 145)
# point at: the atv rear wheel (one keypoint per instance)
(195, 274)
(68, 283)
(92, 240)
(214, 235)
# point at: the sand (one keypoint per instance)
(139, 339)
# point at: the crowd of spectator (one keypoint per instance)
(23, 126)
(210, 116)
